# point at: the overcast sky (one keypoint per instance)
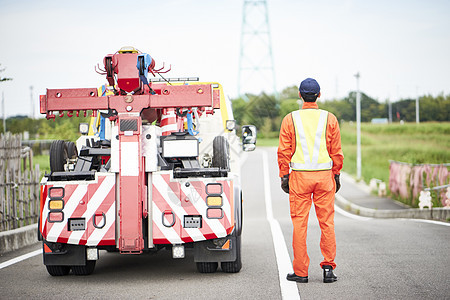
(400, 48)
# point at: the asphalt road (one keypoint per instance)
(377, 259)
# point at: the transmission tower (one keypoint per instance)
(256, 67)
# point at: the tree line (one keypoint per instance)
(43, 129)
(267, 111)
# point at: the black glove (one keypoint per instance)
(285, 183)
(338, 182)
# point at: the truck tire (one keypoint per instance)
(207, 267)
(58, 155)
(39, 234)
(58, 270)
(88, 269)
(72, 151)
(221, 156)
(234, 266)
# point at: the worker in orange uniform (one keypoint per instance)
(310, 159)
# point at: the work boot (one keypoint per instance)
(328, 275)
(294, 277)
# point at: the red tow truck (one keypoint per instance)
(158, 168)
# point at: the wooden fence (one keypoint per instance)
(19, 184)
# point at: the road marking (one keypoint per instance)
(347, 214)
(430, 221)
(243, 158)
(360, 218)
(20, 258)
(289, 289)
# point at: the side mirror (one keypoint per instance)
(248, 137)
(248, 147)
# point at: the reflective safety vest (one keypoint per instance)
(311, 152)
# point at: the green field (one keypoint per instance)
(410, 143)
(44, 163)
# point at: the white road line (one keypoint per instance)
(20, 258)
(347, 214)
(289, 289)
(430, 221)
(360, 218)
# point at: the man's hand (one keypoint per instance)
(338, 182)
(285, 183)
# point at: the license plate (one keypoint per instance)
(192, 222)
(77, 224)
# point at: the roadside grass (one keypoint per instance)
(380, 143)
(263, 142)
(44, 163)
(410, 143)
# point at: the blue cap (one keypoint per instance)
(309, 86)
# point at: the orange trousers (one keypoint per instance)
(304, 188)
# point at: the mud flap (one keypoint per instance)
(219, 250)
(56, 254)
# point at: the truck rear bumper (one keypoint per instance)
(56, 254)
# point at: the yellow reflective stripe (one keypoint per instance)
(225, 107)
(311, 166)
(302, 156)
(318, 139)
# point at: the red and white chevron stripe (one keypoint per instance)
(175, 198)
(83, 200)
(168, 121)
(187, 199)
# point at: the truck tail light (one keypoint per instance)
(56, 192)
(214, 213)
(55, 216)
(56, 204)
(214, 188)
(214, 201)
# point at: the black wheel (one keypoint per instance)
(221, 158)
(58, 270)
(141, 65)
(58, 155)
(39, 234)
(84, 270)
(109, 67)
(234, 266)
(72, 151)
(207, 267)
(241, 217)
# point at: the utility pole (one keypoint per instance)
(33, 116)
(358, 128)
(390, 111)
(256, 67)
(417, 106)
(3, 111)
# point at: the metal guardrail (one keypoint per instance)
(409, 164)
(39, 147)
(437, 187)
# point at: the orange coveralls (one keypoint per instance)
(305, 185)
